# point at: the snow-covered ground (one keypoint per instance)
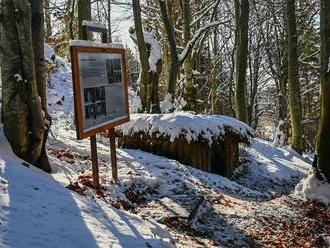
(192, 208)
(199, 209)
(36, 211)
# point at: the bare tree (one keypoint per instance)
(38, 34)
(294, 85)
(242, 40)
(23, 118)
(323, 141)
(145, 84)
(84, 13)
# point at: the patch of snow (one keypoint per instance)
(279, 139)
(88, 43)
(59, 91)
(134, 101)
(313, 189)
(327, 240)
(195, 72)
(93, 24)
(166, 106)
(49, 53)
(36, 211)
(191, 126)
(156, 53)
(18, 77)
(270, 168)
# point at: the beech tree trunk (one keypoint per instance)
(214, 73)
(294, 85)
(145, 85)
(254, 67)
(38, 34)
(189, 89)
(323, 140)
(242, 40)
(282, 88)
(70, 8)
(154, 98)
(174, 64)
(23, 117)
(84, 13)
(48, 21)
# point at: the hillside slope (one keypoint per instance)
(36, 211)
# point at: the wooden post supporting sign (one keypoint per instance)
(95, 85)
(113, 154)
(95, 165)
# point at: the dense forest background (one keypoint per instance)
(210, 42)
(257, 61)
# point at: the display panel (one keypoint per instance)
(100, 86)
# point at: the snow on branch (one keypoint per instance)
(156, 53)
(203, 12)
(190, 45)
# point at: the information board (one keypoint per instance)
(100, 88)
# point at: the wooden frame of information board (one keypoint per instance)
(75, 50)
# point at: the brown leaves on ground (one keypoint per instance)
(308, 229)
(174, 222)
(76, 188)
(66, 155)
(83, 183)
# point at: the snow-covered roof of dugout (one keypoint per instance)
(88, 43)
(191, 127)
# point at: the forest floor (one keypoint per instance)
(256, 207)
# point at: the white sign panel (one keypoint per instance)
(102, 89)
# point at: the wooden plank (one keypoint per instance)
(113, 154)
(95, 166)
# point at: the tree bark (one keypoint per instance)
(109, 22)
(323, 140)
(294, 85)
(48, 21)
(282, 88)
(254, 65)
(145, 85)
(174, 64)
(22, 110)
(38, 34)
(84, 13)
(71, 10)
(189, 89)
(214, 72)
(242, 20)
